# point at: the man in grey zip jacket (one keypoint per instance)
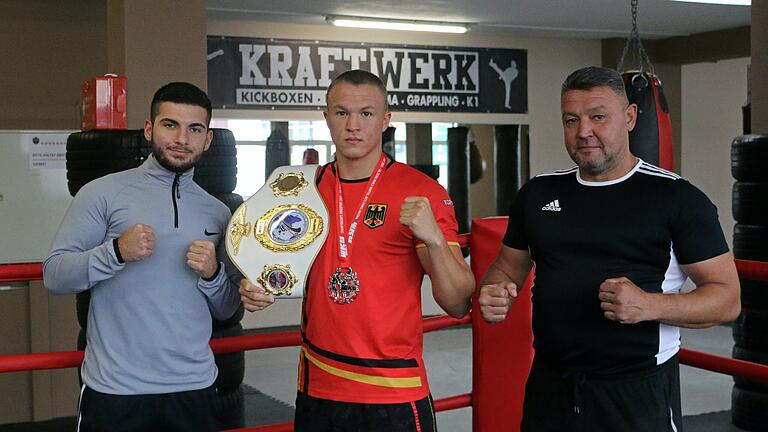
(144, 242)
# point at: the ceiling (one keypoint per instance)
(587, 19)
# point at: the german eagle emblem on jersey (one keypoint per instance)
(374, 215)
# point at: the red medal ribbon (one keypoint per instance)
(345, 238)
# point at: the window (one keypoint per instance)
(310, 134)
(252, 135)
(245, 130)
(297, 152)
(401, 154)
(251, 158)
(440, 150)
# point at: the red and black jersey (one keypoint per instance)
(370, 350)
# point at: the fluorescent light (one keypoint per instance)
(721, 2)
(391, 24)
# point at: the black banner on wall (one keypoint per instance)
(253, 73)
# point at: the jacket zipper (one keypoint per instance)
(175, 194)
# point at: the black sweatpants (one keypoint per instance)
(322, 415)
(190, 411)
(647, 401)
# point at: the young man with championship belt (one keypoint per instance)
(361, 366)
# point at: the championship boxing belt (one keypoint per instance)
(275, 235)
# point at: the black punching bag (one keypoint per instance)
(476, 163)
(509, 161)
(388, 142)
(651, 139)
(458, 174)
(278, 152)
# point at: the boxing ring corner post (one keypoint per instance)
(502, 353)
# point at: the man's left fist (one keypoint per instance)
(416, 214)
(201, 257)
(623, 301)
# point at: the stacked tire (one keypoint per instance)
(749, 155)
(94, 154)
(216, 171)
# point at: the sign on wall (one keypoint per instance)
(248, 73)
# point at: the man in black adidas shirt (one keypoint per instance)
(613, 240)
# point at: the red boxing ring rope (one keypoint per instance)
(60, 360)
(21, 272)
(754, 270)
(724, 365)
(34, 271)
(67, 359)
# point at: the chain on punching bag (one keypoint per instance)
(651, 139)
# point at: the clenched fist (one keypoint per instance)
(136, 243)
(416, 214)
(495, 300)
(254, 297)
(623, 301)
(201, 257)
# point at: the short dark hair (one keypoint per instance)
(594, 76)
(180, 92)
(359, 77)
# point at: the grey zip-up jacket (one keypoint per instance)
(149, 321)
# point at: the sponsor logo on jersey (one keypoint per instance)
(448, 202)
(552, 206)
(374, 215)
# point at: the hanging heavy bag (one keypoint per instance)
(651, 139)
(278, 152)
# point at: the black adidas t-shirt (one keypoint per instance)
(642, 226)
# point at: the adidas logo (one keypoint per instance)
(553, 206)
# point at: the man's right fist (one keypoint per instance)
(136, 243)
(495, 300)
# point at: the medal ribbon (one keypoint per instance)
(346, 238)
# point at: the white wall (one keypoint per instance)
(33, 193)
(712, 96)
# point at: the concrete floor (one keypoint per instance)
(448, 356)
